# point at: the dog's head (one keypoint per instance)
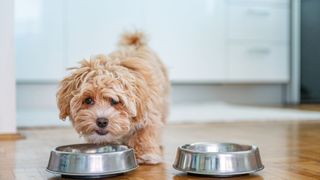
(103, 100)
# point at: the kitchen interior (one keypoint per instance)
(243, 71)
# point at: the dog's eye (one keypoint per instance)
(89, 101)
(114, 102)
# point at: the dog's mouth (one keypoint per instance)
(101, 132)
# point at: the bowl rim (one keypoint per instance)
(93, 174)
(252, 148)
(91, 154)
(219, 174)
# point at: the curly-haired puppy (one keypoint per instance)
(120, 98)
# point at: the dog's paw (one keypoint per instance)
(149, 159)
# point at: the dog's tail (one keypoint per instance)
(134, 39)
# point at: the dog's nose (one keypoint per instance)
(102, 122)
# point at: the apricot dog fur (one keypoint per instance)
(120, 98)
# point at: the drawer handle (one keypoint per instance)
(258, 12)
(264, 51)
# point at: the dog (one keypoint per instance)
(120, 98)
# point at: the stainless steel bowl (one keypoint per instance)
(91, 161)
(218, 159)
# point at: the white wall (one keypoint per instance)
(7, 73)
(39, 38)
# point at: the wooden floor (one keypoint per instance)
(289, 150)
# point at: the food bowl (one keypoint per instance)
(91, 161)
(218, 159)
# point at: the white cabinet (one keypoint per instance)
(216, 41)
(189, 36)
(251, 22)
(257, 41)
(257, 62)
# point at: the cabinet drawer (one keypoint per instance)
(258, 22)
(263, 62)
(260, 2)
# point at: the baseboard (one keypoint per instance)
(11, 137)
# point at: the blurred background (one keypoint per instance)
(228, 60)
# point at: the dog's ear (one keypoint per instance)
(140, 86)
(64, 95)
(69, 86)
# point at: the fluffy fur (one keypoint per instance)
(135, 77)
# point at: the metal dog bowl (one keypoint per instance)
(218, 159)
(91, 161)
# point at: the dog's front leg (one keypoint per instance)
(146, 143)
